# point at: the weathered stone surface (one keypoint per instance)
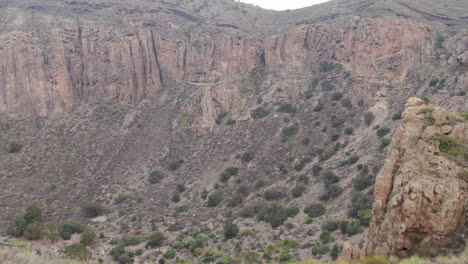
(420, 194)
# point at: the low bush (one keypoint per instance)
(347, 103)
(155, 177)
(360, 203)
(327, 66)
(77, 251)
(326, 237)
(181, 187)
(332, 191)
(155, 240)
(93, 209)
(369, 118)
(275, 214)
(248, 156)
(336, 96)
(289, 132)
(382, 132)
(34, 231)
(315, 210)
(13, 147)
(297, 191)
(274, 194)
(230, 230)
(259, 112)
(319, 250)
(170, 254)
(287, 108)
(350, 228)
(306, 141)
(215, 199)
(174, 165)
(228, 173)
(88, 236)
(33, 214)
(17, 226)
(330, 178)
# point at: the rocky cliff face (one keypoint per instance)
(420, 200)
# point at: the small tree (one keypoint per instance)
(51, 231)
(88, 236)
(34, 231)
(33, 214)
(17, 226)
(215, 199)
(230, 229)
(77, 251)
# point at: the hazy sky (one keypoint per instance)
(283, 4)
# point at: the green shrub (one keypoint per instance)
(17, 226)
(13, 147)
(439, 42)
(350, 228)
(181, 187)
(174, 165)
(397, 116)
(175, 198)
(369, 118)
(315, 210)
(170, 254)
(352, 160)
(220, 118)
(347, 103)
(230, 229)
(330, 178)
(215, 199)
(426, 110)
(182, 209)
(327, 66)
(327, 86)
(306, 141)
(139, 252)
(34, 231)
(384, 142)
(88, 236)
(248, 156)
(320, 250)
(326, 237)
(122, 197)
(433, 82)
(66, 229)
(287, 108)
(77, 251)
(273, 194)
(259, 112)
(155, 177)
(131, 240)
(363, 182)
(300, 166)
(236, 200)
(289, 132)
(274, 213)
(33, 214)
(231, 122)
(331, 225)
(382, 132)
(336, 96)
(359, 203)
(155, 240)
(93, 209)
(297, 191)
(332, 191)
(319, 107)
(316, 169)
(228, 173)
(335, 251)
(453, 148)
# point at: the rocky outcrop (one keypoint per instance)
(421, 192)
(53, 70)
